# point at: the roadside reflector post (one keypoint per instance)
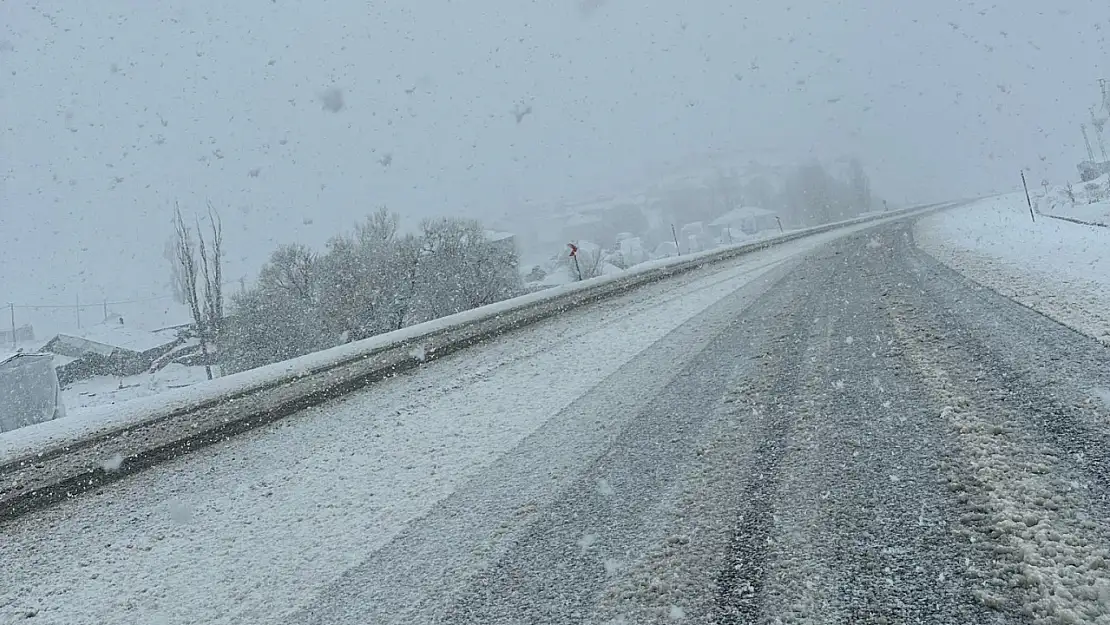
(574, 255)
(1027, 200)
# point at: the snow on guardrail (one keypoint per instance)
(102, 419)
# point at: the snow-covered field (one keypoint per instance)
(1086, 201)
(104, 390)
(1058, 268)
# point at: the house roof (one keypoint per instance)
(740, 214)
(493, 235)
(105, 338)
(7, 356)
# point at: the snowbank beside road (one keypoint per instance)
(1058, 268)
(1087, 201)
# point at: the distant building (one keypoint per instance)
(746, 220)
(109, 349)
(632, 251)
(694, 236)
(505, 241)
(22, 333)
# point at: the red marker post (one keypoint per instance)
(574, 255)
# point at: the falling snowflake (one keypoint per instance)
(112, 464)
(332, 99)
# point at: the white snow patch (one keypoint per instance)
(1102, 394)
(419, 353)
(676, 613)
(180, 512)
(587, 541)
(113, 463)
(605, 488)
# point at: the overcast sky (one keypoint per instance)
(113, 110)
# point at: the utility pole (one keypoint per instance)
(779, 222)
(11, 309)
(1087, 142)
(105, 310)
(1027, 200)
(677, 249)
(1099, 124)
(77, 308)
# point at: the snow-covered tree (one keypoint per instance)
(369, 282)
(269, 326)
(860, 185)
(291, 271)
(462, 269)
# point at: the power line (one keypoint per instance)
(93, 305)
(104, 303)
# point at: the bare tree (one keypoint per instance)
(185, 275)
(212, 272)
(860, 186)
(205, 305)
(590, 261)
(177, 278)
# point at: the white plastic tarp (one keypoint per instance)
(29, 391)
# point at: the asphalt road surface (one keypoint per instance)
(861, 436)
(873, 440)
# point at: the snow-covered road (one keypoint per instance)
(246, 531)
(836, 430)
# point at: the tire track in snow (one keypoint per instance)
(1041, 545)
(678, 577)
(857, 527)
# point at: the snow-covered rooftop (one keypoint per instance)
(740, 214)
(123, 337)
